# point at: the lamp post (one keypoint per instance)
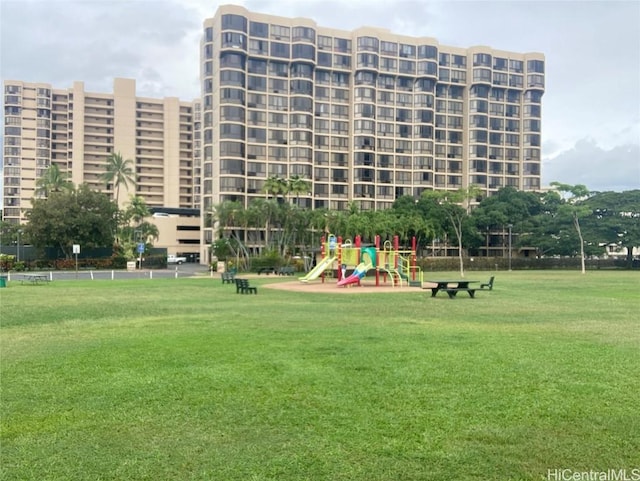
(510, 226)
(18, 232)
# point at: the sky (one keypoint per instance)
(591, 107)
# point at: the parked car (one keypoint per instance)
(171, 259)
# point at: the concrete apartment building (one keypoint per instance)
(365, 115)
(77, 130)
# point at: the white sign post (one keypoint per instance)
(76, 251)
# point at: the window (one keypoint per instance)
(234, 22)
(257, 83)
(342, 45)
(258, 47)
(427, 51)
(232, 113)
(280, 50)
(342, 61)
(427, 68)
(279, 33)
(277, 102)
(278, 69)
(232, 131)
(324, 59)
(500, 78)
(304, 51)
(233, 96)
(301, 87)
(535, 81)
(516, 66)
(535, 66)
(258, 29)
(257, 66)
(302, 104)
(303, 33)
(368, 44)
(324, 42)
(233, 40)
(322, 93)
(481, 75)
(323, 77)
(257, 135)
(407, 51)
(407, 67)
(231, 77)
(367, 60)
(515, 81)
(482, 60)
(388, 64)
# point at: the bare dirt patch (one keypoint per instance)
(329, 287)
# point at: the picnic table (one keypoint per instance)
(452, 287)
(35, 278)
(267, 270)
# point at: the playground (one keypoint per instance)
(345, 264)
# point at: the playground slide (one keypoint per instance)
(319, 269)
(358, 274)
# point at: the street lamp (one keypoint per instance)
(18, 232)
(510, 226)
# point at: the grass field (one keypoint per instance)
(182, 379)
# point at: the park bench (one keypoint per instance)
(267, 270)
(228, 277)
(488, 285)
(243, 287)
(286, 271)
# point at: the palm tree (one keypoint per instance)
(54, 180)
(276, 186)
(298, 185)
(119, 172)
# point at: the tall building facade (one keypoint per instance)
(77, 131)
(364, 115)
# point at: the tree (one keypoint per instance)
(572, 196)
(78, 216)
(276, 186)
(451, 204)
(134, 228)
(297, 185)
(615, 219)
(119, 172)
(54, 180)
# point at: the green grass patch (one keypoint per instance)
(183, 379)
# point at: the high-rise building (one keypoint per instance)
(77, 131)
(365, 115)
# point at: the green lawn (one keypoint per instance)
(182, 379)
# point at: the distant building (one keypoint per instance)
(365, 115)
(77, 130)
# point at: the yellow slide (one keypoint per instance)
(319, 269)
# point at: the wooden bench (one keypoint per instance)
(228, 277)
(243, 287)
(454, 290)
(286, 271)
(267, 270)
(488, 285)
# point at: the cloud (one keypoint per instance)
(587, 163)
(61, 42)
